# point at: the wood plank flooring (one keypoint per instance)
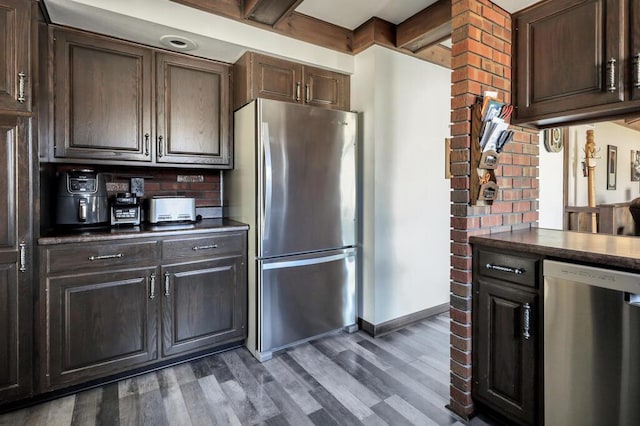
(343, 379)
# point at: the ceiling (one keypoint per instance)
(351, 13)
(146, 21)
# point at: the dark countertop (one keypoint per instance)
(600, 249)
(62, 236)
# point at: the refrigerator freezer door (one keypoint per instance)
(304, 296)
(308, 179)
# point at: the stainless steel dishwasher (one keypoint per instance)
(591, 345)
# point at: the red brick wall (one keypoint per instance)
(481, 61)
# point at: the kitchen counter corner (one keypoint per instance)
(599, 249)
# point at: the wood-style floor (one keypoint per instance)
(343, 379)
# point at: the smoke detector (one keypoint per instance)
(176, 42)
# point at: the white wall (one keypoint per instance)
(551, 201)
(551, 171)
(406, 199)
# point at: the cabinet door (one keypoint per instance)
(100, 324)
(16, 302)
(563, 53)
(634, 27)
(193, 111)
(326, 89)
(15, 77)
(277, 79)
(204, 304)
(102, 105)
(504, 358)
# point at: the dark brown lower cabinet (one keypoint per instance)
(15, 334)
(202, 304)
(504, 349)
(113, 306)
(100, 324)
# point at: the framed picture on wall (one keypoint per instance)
(635, 166)
(612, 166)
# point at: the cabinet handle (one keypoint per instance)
(21, 84)
(166, 283)
(146, 144)
(152, 286)
(212, 246)
(612, 75)
(106, 256)
(307, 93)
(517, 271)
(636, 63)
(160, 146)
(527, 321)
(298, 91)
(23, 257)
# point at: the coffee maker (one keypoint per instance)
(82, 199)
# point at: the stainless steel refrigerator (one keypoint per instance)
(294, 183)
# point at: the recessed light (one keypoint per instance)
(177, 42)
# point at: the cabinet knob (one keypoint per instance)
(526, 321)
(509, 269)
(307, 93)
(146, 144)
(167, 276)
(208, 247)
(152, 286)
(160, 146)
(21, 87)
(106, 256)
(23, 257)
(611, 71)
(636, 63)
(298, 91)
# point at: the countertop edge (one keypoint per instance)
(205, 227)
(596, 249)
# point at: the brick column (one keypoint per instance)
(481, 61)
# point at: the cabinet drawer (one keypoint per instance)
(203, 246)
(103, 255)
(507, 267)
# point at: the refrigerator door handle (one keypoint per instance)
(267, 181)
(305, 262)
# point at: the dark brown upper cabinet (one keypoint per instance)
(15, 76)
(193, 114)
(106, 111)
(102, 104)
(261, 76)
(16, 261)
(573, 61)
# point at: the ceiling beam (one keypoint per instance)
(384, 33)
(269, 12)
(374, 31)
(419, 36)
(425, 28)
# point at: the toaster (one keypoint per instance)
(171, 209)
